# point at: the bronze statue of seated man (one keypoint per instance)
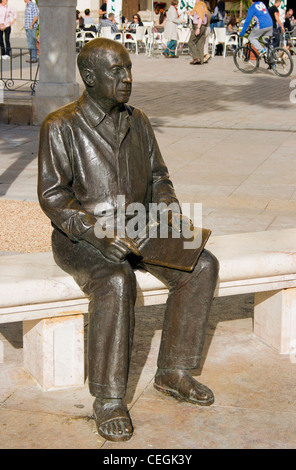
(91, 151)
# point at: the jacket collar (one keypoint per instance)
(92, 111)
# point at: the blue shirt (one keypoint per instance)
(262, 18)
(31, 13)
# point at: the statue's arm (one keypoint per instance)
(162, 186)
(55, 178)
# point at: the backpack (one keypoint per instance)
(196, 17)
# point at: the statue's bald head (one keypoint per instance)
(105, 68)
(96, 51)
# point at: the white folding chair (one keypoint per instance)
(89, 35)
(183, 37)
(153, 39)
(106, 32)
(232, 40)
(148, 24)
(220, 37)
(79, 40)
(135, 38)
(90, 27)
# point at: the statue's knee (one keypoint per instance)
(115, 280)
(122, 278)
(210, 264)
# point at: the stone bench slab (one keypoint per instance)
(33, 289)
(249, 262)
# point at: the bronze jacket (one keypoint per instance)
(84, 162)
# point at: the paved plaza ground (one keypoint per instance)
(229, 141)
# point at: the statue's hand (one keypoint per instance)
(179, 221)
(116, 249)
(175, 219)
(112, 247)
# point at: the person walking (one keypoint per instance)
(31, 23)
(7, 18)
(171, 30)
(197, 38)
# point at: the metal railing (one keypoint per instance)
(16, 74)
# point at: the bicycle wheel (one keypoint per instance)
(246, 59)
(281, 62)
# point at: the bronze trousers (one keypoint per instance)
(111, 288)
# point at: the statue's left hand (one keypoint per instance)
(179, 221)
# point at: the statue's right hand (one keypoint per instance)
(116, 249)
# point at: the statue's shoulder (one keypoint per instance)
(136, 113)
(62, 116)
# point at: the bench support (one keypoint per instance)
(275, 319)
(54, 351)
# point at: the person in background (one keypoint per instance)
(207, 33)
(162, 17)
(79, 20)
(218, 21)
(135, 23)
(196, 41)
(276, 23)
(289, 27)
(88, 20)
(103, 11)
(262, 25)
(218, 16)
(289, 20)
(231, 29)
(171, 30)
(110, 21)
(7, 18)
(31, 23)
(232, 26)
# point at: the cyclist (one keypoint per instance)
(262, 25)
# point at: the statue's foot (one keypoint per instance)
(181, 385)
(112, 419)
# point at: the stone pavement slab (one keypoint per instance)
(253, 385)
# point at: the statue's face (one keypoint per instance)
(112, 77)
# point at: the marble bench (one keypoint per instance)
(51, 306)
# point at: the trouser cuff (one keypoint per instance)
(107, 391)
(192, 362)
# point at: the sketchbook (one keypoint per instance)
(176, 250)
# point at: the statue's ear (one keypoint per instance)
(88, 77)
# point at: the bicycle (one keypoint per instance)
(278, 59)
